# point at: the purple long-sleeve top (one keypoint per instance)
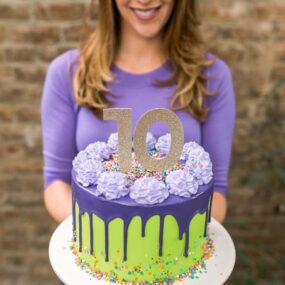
(68, 128)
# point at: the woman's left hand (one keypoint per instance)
(219, 207)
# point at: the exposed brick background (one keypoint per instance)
(249, 35)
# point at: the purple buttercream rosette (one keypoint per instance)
(181, 183)
(87, 169)
(113, 142)
(163, 144)
(98, 151)
(112, 185)
(199, 164)
(188, 148)
(148, 191)
(150, 141)
(78, 161)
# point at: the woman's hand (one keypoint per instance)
(219, 207)
(58, 200)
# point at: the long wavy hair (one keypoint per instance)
(184, 47)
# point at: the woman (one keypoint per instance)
(144, 54)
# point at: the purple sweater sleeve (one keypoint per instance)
(58, 122)
(217, 130)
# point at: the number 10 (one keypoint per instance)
(124, 118)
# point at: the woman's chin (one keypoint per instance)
(148, 33)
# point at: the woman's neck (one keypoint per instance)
(138, 54)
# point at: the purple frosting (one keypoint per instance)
(113, 142)
(150, 141)
(149, 191)
(195, 162)
(112, 185)
(199, 165)
(98, 151)
(181, 183)
(188, 148)
(163, 144)
(87, 169)
(78, 161)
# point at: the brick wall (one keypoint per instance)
(249, 35)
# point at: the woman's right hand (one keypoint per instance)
(58, 200)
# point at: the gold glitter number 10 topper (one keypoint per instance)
(124, 118)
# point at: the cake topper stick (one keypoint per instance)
(124, 118)
(177, 139)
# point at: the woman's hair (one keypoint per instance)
(184, 47)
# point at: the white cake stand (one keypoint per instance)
(219, 267)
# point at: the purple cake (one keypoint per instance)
(142, 227)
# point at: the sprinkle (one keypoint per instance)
(197, 268)
(137, 170)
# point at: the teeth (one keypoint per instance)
(144, 13)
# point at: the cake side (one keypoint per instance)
(133, 242)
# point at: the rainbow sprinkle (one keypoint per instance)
(137, 170)
(193, 272)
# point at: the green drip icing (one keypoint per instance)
(143, 261)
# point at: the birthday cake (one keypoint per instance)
(141, 227)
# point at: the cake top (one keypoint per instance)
(98, 165)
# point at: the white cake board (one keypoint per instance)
(219, 267)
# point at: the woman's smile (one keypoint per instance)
(146, 14)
